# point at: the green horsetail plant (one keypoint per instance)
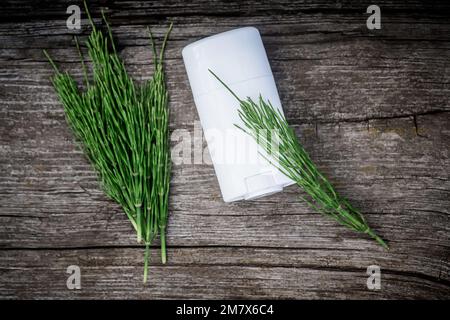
(123, 129)
(268, 127)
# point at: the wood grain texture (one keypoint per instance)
(371, 107)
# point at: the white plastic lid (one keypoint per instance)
(236, 55)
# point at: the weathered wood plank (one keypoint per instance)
(326, 71)
(17, 10)
(207, 273)
(47, 203)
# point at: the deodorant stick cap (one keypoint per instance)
(238, 57)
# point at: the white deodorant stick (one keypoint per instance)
(239, 59)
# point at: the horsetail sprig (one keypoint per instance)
(124, 132)
(268, 126)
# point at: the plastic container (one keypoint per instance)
(238, 57)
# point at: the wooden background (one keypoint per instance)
(372, 108)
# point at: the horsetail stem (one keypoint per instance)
(124, 131)
(293, 161)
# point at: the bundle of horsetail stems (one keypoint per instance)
(268, 126)
(124, 132)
